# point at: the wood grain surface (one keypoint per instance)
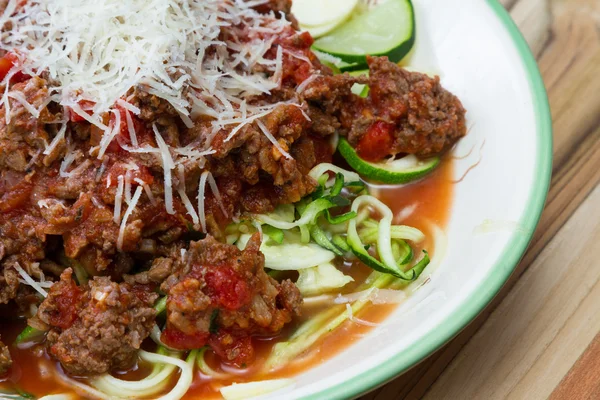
(540, 337)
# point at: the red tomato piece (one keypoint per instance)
(226, 287)
(16, 197)
(182, 341)
(377, 142)
(6, 64)
(67, 304)
(85, 105)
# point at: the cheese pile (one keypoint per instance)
(207, 58)
(97, 50)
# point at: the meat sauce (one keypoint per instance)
(431, 200)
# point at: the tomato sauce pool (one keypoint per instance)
(429, 202)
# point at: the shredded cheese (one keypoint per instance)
(66, 163)
(60, 135)
(134, 200)
(21, 99)
(127, 190)
(29, 280)
(108, 47)
(101, 170)
(214, 59)
(131, 128)
(110, 134)
(207, 176)
(272, 139)
(147, 190)
(118, 199)
(168, 165)
(184, 197)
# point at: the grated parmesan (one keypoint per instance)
(118, 199)
(134, 200)
(207, 176)
(167, 47)
(29, 280)
(201, 57)
(168, 165)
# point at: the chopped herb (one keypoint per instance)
(79, 214)
(213, 327)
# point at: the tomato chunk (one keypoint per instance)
(6, 64)
(377, 142)
(16, 197)
(226, 287)
(233, 349)
(181, 341)
(86, 106)
(67, 304)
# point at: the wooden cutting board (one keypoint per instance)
(540, 337)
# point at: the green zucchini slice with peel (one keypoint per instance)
(386, 29)
(404, 170)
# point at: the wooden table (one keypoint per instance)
(540, 337)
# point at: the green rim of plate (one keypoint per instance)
(491, 285)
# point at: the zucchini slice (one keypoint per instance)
(318, 13)
(387, 29)
(322, 30)
(404, 170)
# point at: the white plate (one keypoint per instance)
(481, 57)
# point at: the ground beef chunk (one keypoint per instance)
(331, 94)
(96, 328)
(405, 112)
(428, 119)
(5, 359)
(151, 106)
(24, 136)
(9, 284)
(263, 170)
(160, 269)
(224, 298)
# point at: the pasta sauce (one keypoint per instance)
(430, 201)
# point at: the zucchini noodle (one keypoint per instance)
(441, 247)
(385, 250)
(242, 391)
(107, 387)
(205, 369)
(82, 387)
(317, 327)
(323, 168)
(400, 232)
(384, 239)
(309, 216)
(164, 366)
(324, 222)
